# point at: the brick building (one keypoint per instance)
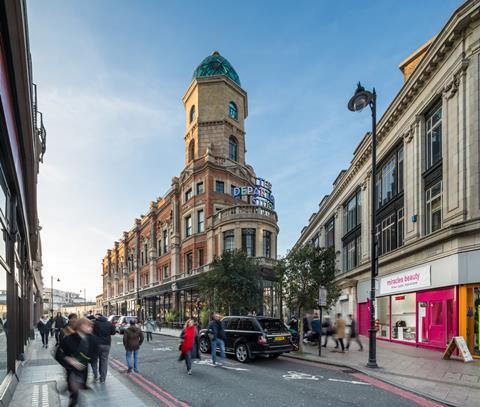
(217, 203)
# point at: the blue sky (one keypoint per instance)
(111, 75)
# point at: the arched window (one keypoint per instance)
(191, 150)
(192, 113)
(233, 111)
(233, 149)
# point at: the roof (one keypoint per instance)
(214, 65)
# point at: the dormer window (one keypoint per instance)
(193, 113)
(233, 149)
(233, 111)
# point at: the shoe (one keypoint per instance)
(189, 372)
(129, 370)
(95, 378)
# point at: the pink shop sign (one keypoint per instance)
(409, 280)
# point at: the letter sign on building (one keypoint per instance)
(260, 194)
(409, 280)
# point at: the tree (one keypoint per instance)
(303, 272)
(232, 285)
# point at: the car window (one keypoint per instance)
(272, 325)
(232, 324)
(246, 325)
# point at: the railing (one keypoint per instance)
(245, 212)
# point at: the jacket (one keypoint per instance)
(316, 325)
(132, 338)
(103, 330)
(44, 326)
(59, 322)
(149, 326)
(216, 329)
(353, 329)
(340, 328)
(73, 345)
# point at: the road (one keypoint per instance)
(263, 382)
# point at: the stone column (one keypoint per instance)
(151, 250)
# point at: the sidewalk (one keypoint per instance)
(42, 383)
(416, 369)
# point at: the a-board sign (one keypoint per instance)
(459, 343)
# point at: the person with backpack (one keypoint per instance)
(44, 326)
(103, 330)
(132, 340)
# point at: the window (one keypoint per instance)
(220, 187)
(228, 241)
(386, 234)
(188, 225)
(351, 213)
(400, 170)
(330, 233)
(433, 199)
(165, 241)
(159, 247)
(433, 121)
(193, 113)
(188, 194)
(201, 259)
(165, 271)
(248, 242)
(191, 150)
(390, 178)
(232, 148)
(246, 325)
(200, 188)
(267, 243)
(316, 240)
(189, 262)
(233, 111)
(145, 250)
(400, 227)
(200, 221)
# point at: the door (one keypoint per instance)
(437, 323)
(363, 318)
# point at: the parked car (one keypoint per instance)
(123, 323)
(114, 319)
(248, 337)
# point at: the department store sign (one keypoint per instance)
(260, 194)
(409, 280)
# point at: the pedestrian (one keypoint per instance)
(328, 331)
(132, 340)
(316, 333)
(216, 332)
(74, 353)
(52, 331)
(59, 323)
(306, 326)
(149, 327)
(44, 325)
(353, 333)
(340, 331)
(68, 328)
(103, 330)
(188, 345)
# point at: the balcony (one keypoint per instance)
(248, 212)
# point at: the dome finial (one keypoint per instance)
(216, 53)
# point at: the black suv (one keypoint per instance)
(248, 337)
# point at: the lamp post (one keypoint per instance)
(51, 286)
(361, 99)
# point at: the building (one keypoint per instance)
(428, 200)
(81, 309)
(60, 299)
(99, 304)
(22, 145)
(217, 203)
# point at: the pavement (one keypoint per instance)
(419, 370)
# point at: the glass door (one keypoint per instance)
(437, 323)
(422, 321)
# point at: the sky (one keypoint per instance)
(111, 75)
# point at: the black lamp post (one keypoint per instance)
(361, 99)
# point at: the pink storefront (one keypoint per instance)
(408, 311)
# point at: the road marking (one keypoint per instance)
(35, 395)
(45, 395)
(292, 375)
(208, 362)
(349, 381)
(163, 349)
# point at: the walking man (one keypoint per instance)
(149, 326)
(340, 331)
(132, 340)
(44, 326)
(60, 323)
(216, 332)
(103, 329)
(353, 333)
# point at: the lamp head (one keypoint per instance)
(360, 99)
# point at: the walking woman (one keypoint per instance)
(188, 344)
(44, 326)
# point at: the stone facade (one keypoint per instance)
(152, 269)
(413, 229)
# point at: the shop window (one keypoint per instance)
(220, 187)
(383, 317)
(200, 221)
(228, 241)
(267, 243)
(248, 242)
(433, 122)
(200, 188)
(404, 317)
(433, 212)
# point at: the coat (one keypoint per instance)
(103, 330)
(194, 349)
(59, 322)
(149, 326)
(44, 326)
(217, 330)
(132, 338)
(340, 328)
(72, 345)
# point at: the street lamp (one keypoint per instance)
(51, 286)
(361, 99)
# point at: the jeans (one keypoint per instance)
(102, 360)
(45, 337)
(188, 360)
(340, 341)
(135, 359)
(57, 335)
(149, 336)
(218, 342)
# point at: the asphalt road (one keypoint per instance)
(163, 380)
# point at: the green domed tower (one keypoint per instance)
(214, 65)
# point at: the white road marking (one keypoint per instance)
(349, 381)
(163, 349)
(45, 395)
(35, 395)
(292, 375)
(208, 362)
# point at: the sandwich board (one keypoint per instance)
(459, 343)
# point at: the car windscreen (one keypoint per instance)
(272, 325)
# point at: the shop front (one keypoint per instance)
(469, 310)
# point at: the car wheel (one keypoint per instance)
(241, 353)
(204, 345)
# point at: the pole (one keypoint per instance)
(372, 350)
(320, 334)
